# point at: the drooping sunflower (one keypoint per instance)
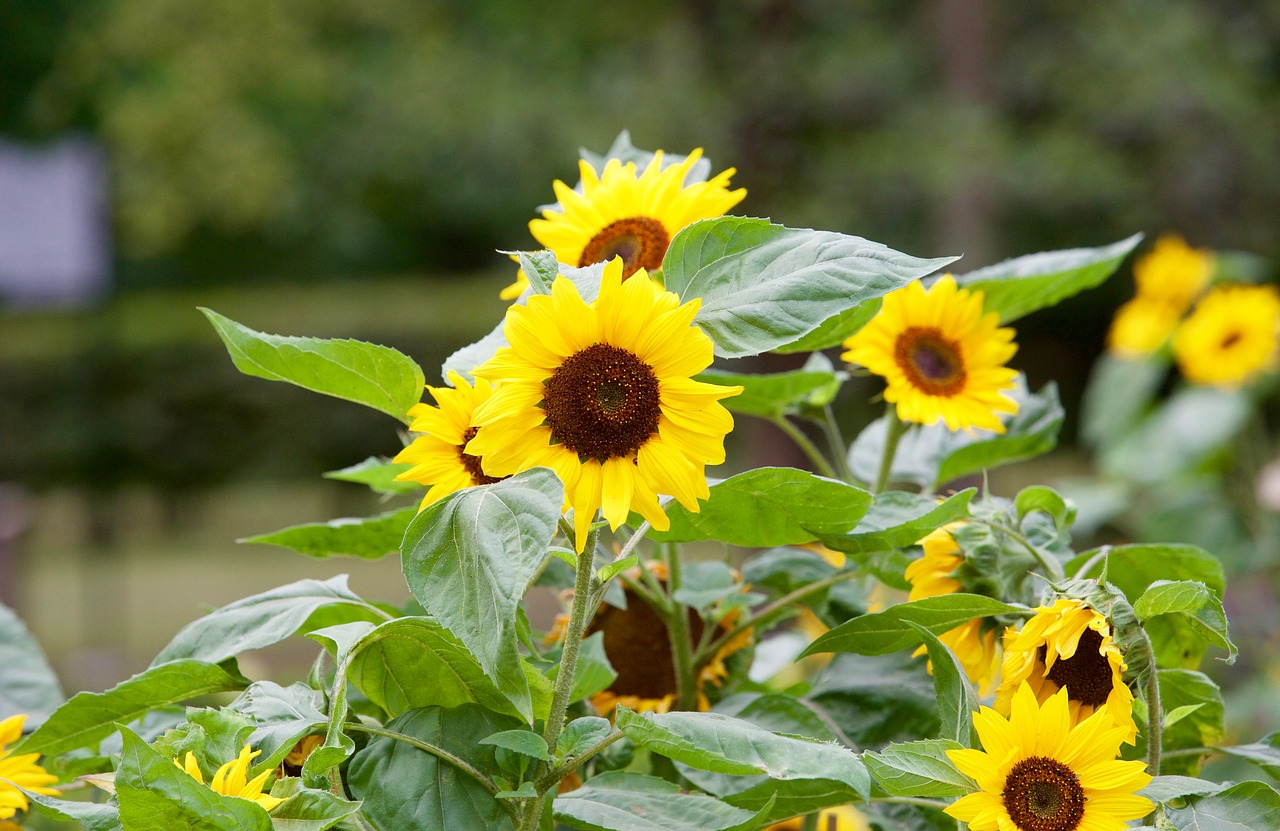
(620, 213)
(602, 394)
(1230, 337)
(942, 358)
(20, 770)
(840, 818)
(232, 779)
(1141, 327)
(973, 642)
(1068, 645)
(438, 456)
(1173, 272)
(1041, 771)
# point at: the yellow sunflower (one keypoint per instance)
(840, 818)
(1141, 327)
(602, 394)
(973, 643)
(1230, 337)
(20, 770)
(1068, 645)
(438, 455)
(622, 214)
(1173, 272)
(942, 358)
(1039, 770)
(232, 779)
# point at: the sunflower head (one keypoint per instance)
(1068, 646)
(941, 357)
(1230, 337)
(19, 770)
(1173, 272)
(602, 394)
(232, 779)
(1141, 327)
(1039, 770)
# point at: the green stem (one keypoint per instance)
(808, 447)
(572, 641)
(893, 432)
(435, 750)
(1091, 562)
(633, 541)
(550, 778)
(1167, 754)
(919, 802)
(1155, 716)
(678, 633)
(809, 823)
(836, 440)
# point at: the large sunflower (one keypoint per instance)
(1230, 337)
(942, 358)
(1041, 771)
(1173, 272)
(20, 770)
(438, 455)
(601, 393)
(232, 779)
(1068, 645)
(620, 213)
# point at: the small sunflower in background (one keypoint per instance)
(840, 818)
(1173, 272)
(1068, 646)
(1039, 770)
(438, 455)
(232, 779)
(19, 770)
(1141, 326)
(603, 394)
(942, 358)
(1230, 337)
(624, 213)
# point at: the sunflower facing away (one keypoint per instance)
(1041, 771)
(21, 770)
(1230, 337)
(942, 358)
(602, 394)
(438, 455)
(1068, 645)
(232, 779)
(622, 214)
(1173, 272)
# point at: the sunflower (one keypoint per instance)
(973, 643)
(19, 771)
(840, 818)
(1068, 645)
(438, 456)
(1173, 272)
(601, 393)
(1230, 337)
(232, 779)
(942, 358)
(1141, 327)
(622, 214)
(1041, 771)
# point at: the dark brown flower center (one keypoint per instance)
(1230, 340)
(931, 362)
(1043, 794)
(472, 463)
(602, 403)
(641, 242)
(1086, 674)
(638, 646)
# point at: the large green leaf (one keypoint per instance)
(769, 506)
(307, 809)
(623, 801)
(918, 769)
(379, 474)
(405, 787)
(282, 716)
(1191, 425)
(898, 518)
(27, 684)
(1190, 612)
(891, 630)
(368, 374)
(957, 700)
(931, 455)
(89, 717)
(1133, 568)
(1265, 753)
(1202, 727)
(92, 816)
(263, 619)
(835, 330)
(877, 699)
(1017, 287)
(369, 538)
(1249, 806)
(469, 558)
(763, 285)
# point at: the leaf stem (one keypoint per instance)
(836, 440)
(555, 774)
(802, 441)
(435, 750)
(919, 802)
(678, 633)
(893, 432)
(634, 540)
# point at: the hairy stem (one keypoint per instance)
(550, 778)
(808, 447)
(572, 641)
(1155, 716)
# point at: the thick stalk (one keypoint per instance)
(809, 823)
(1155, 716)
(808, 447)
(572, 641)
(678, 632)
(894, 429)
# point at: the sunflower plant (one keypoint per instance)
(872, 640)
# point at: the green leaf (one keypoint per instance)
(1177, 714)
(581, 734)
(522, 741)
(1133, 568)
(877, 699)
(898, 519)
(282, 717)
(27, 684)
(1189, 607)
(1249, 806)
(1265, 753)
(931, 455)
(1202, 728)
(378, 474)
(785, 569)
(1017, 287)
(469, 558)
(918, 769)
(404, 787)
(607, 573)
(1046, 500)
(1118, 393)
(623, 801)
(773, 395)
(769, 506)
(705, 583)
(89, 717)
(264, 619)
(369, 538)
(891, 630)
(957, 701)
(1167, 788)
(835, 330)
(525, 791)
(375, 376)
(92, 816)
(308, 809)
(341, 640)
(541, 267)
(213, 736)
(1193, 424)
(157, 795)
(763, 286)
